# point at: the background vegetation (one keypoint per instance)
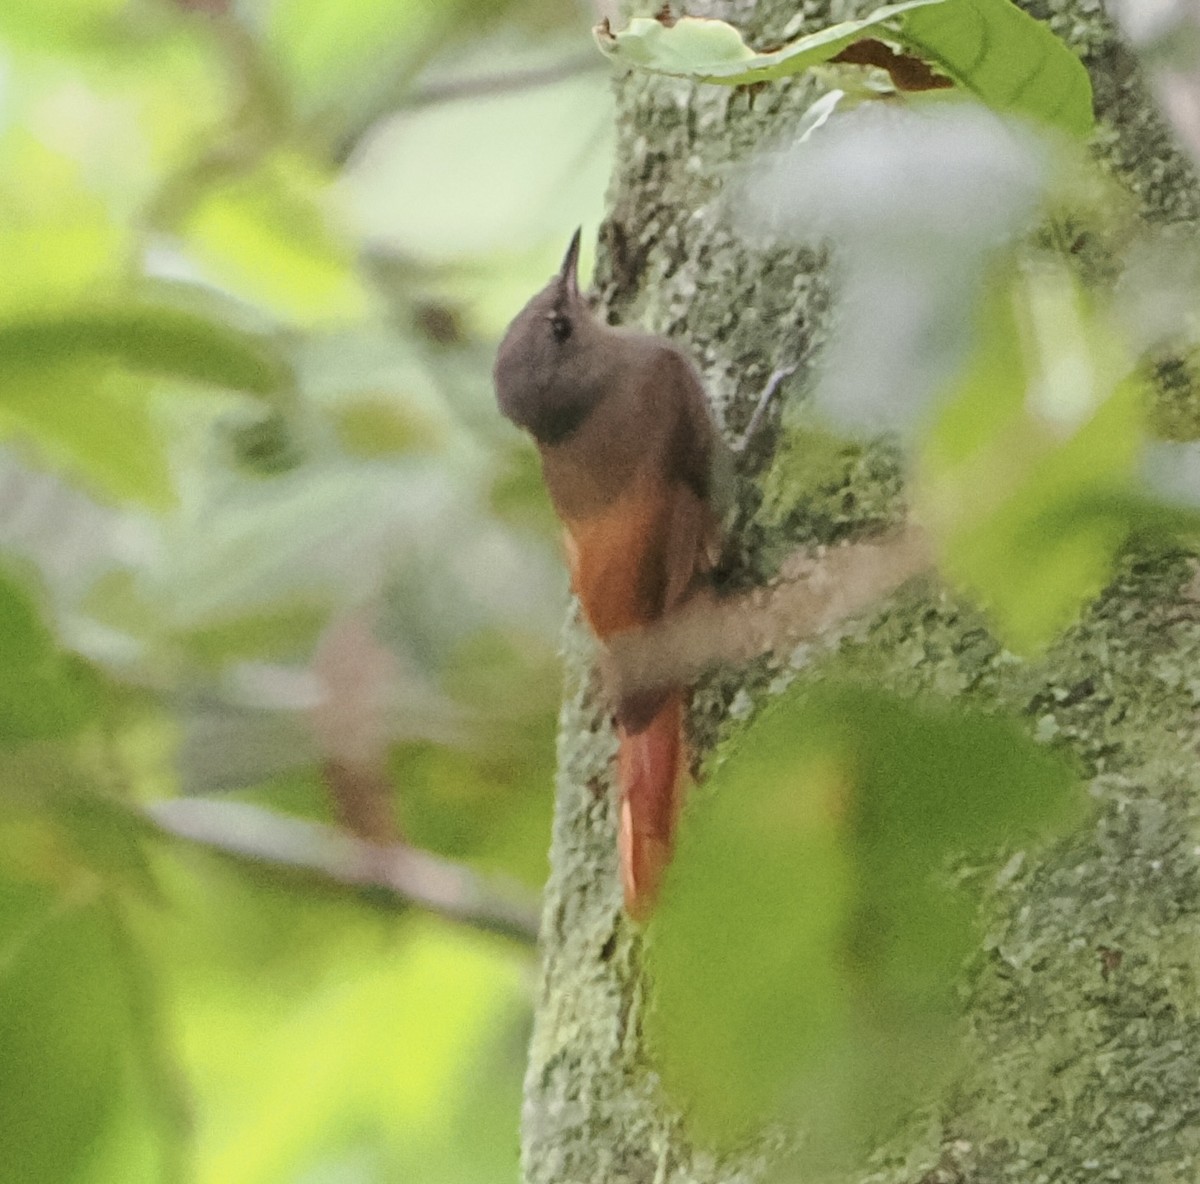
(253, 490)
(277, 580)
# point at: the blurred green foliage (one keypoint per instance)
(1048, 419)
(259, 520)
(250, 300)
(806, 951)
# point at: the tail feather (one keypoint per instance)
(652, 770)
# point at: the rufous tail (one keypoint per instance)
(651, 771)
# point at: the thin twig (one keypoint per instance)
(451, 90)
(764, 402)
(404, 98)
(411, 876)
(258, 120)
(361, 794)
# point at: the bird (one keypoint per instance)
(633, 462)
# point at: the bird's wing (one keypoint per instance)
(617, 558)
(693, 451)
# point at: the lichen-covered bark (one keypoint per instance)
(1083, 1004)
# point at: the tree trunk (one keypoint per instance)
(1083, 1004)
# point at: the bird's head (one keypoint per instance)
(551, 367)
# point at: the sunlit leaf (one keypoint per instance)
(70, 23)
(271, 236)
(1009, 60)
(387, 1038)
(98, 428)
(804, 952)
(177, 82)
(56, 234)
(328, 52)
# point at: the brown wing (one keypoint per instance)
(618, 557)
(637, 556)
(685, 545)
(694, 536)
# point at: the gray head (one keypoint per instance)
(555, 362)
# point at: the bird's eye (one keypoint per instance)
(560, 326)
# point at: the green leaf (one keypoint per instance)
(107, 838)
(380, 427)
(63, 1023)
(269, 238)
(69, 24)
(1007, 58)
(389, 1042)
(1010, 61)
(43, 694)
(746, 939)
(283, 627)
(1143, 514)
(57, 235)
(99, 428)
(713, 51)
(70, 382)
(805, 950)
(153, 338)
(330, 55)
(1025, 481)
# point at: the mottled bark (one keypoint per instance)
(1083, 1003)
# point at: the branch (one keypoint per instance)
(452, 90)
(410, 876)
(814, 593)
(257, 121)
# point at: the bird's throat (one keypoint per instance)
(555, 423)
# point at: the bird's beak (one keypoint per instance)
(568, 275)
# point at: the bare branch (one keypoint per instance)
(453, 90)
(814, 593)
(257, 121)
(411, 876)
(403, 98)
(362, 800)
